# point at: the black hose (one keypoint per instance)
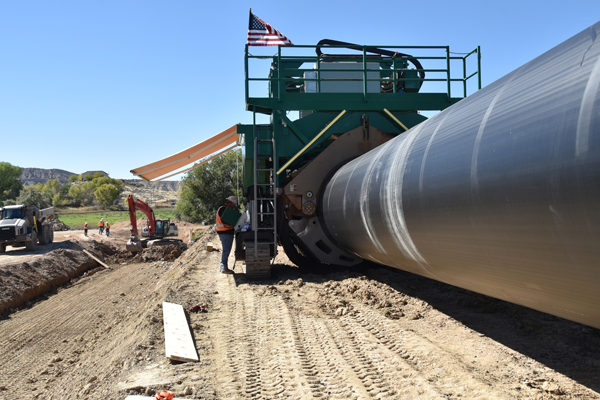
(373, 50)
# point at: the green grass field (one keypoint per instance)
(76, 220)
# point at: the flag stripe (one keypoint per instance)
(262, 34)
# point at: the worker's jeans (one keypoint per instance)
(226, 243)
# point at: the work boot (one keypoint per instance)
(226, 271)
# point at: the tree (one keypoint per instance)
(58, 192)
(74, 178)
(10, 186)
(59, 201)
(205, 188)
(103, 180)
(34, 196)
(52, 187)
(106, 194)
(76, 194)
(85, 193)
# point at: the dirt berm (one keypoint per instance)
(21, 282)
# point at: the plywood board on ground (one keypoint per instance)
(98, 261)
(179, 344)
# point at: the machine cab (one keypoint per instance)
(12, 213)
(160, 228)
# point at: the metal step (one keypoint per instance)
(258, 259)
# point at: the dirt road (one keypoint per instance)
(375, 333)
(21, 254)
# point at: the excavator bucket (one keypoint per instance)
(134, 245)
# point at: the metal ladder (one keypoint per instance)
(260, 214)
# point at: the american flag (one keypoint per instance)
(262, 34)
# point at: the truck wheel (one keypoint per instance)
(44, 235)
(2, 248)
(31, 245)
(51, 235)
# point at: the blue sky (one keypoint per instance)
(115, 85)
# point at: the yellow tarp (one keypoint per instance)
(201, 150)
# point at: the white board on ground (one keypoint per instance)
(100, 262)
(179, 344)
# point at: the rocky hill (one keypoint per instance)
(93, 172)
(171, 186)
(31, 176)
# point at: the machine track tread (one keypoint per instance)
(411, 353)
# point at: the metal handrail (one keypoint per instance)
(278, 77)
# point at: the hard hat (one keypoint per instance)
(232, 199)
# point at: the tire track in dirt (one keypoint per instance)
(406, 348)
(321, 363)
(354, 357)
(254, 344)
(58, 336)
(376, 370)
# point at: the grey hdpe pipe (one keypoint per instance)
(499, 194)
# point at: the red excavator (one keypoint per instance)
(154, 232)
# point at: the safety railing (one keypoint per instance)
(394, 75)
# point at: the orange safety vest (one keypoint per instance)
(221, 226)
(107, 226)
(101, 223)
(85, 226)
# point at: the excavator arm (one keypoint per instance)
(137, 204)
(132, 218)
(133, 244)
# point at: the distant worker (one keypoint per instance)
(107, 227)
(101, 226)
(85, 228)
(225, 232)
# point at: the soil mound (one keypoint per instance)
(21, 282)
(167, 252)
(25, 281)
(58, 225)
(101, 247)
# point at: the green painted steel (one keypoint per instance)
(353, 101)
(304, 83)
(287, 78)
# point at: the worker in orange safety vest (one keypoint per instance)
(107, 227)
(85, 228)
(225, 232)
(101, 226)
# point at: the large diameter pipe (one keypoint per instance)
(499, 194)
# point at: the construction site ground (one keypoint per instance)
(347, 334)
